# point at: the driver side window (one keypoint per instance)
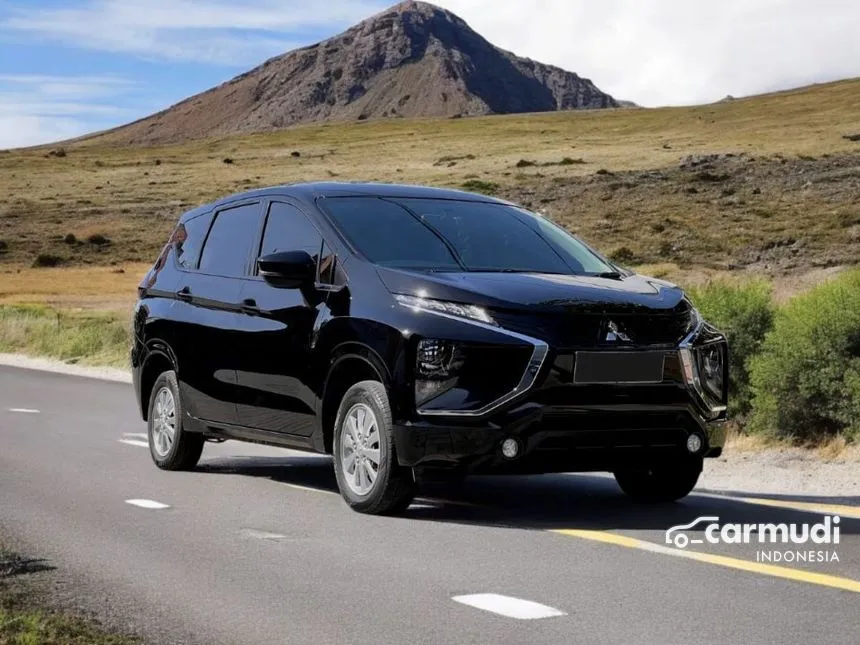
(288, 229)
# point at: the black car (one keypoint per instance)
(420, 334)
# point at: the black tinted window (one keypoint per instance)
(188, 240)
(228, 246)
(288, 229)
(388, 235)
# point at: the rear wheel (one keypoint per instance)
(662, 482)
(368, 475)
(171, 446)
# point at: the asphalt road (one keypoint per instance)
(256, 547)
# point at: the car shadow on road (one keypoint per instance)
(556, 501)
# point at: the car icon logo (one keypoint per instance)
(676, 536)
(616, 333)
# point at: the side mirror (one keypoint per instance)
(288, 269)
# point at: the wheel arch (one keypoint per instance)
(351, 363)
(159, 359)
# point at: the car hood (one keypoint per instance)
(538, 291)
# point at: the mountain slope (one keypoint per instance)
(413, 60)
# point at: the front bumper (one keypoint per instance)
(559, 439)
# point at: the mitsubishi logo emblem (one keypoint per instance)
(616, 333)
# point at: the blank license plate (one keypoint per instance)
(618, 367)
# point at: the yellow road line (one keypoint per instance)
(810, 507)
(799, 575)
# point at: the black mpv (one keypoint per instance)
(416, 334)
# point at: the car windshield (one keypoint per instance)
(451, 235)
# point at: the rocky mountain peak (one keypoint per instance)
(412, 60)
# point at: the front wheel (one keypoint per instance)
(660, 483)
(365, 464)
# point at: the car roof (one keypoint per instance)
(310, 192)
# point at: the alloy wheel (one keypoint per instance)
(163, 422)
(359, 449)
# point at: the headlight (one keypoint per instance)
(437, 366)
(705, 359)
(711, 365)
(470, 312)
(463, 377)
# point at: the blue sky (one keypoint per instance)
(68, 67)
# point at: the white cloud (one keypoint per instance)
(211, 31)
(38, 108)
(659, 52)
(19, 130)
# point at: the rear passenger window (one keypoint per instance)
(228, 247)
(188, 240)
(288, 229)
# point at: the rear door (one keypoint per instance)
(274, 371)
(210, 313)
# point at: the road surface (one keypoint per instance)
(257, 547)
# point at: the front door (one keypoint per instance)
(273, 374)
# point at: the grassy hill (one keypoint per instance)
(782, 194)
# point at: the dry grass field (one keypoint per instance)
(783, 197)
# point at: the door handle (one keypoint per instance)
(184, 294)
(249, 306)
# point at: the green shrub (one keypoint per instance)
(744, 313)
(806, 381)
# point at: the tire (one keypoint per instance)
(660, 483)
(183, 452)
(364, 420)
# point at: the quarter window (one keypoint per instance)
(228, 248)
(188, 240)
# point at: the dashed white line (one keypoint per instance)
(135, 435)
(24, 410)
(311, 490)
(509, 606)
(134, 442)
(262, 535)
(147, 503)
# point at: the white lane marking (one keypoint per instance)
(261, 535)
(309, 489)
(509, 606)
(135, 435)
(134, 442)
(147, 503)
(23, 410)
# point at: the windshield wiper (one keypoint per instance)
(610, 275)
(500, 270)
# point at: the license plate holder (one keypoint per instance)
(613, 368)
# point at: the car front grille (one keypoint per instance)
(578, 330)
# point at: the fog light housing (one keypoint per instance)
(510, 448)
(695, 443)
